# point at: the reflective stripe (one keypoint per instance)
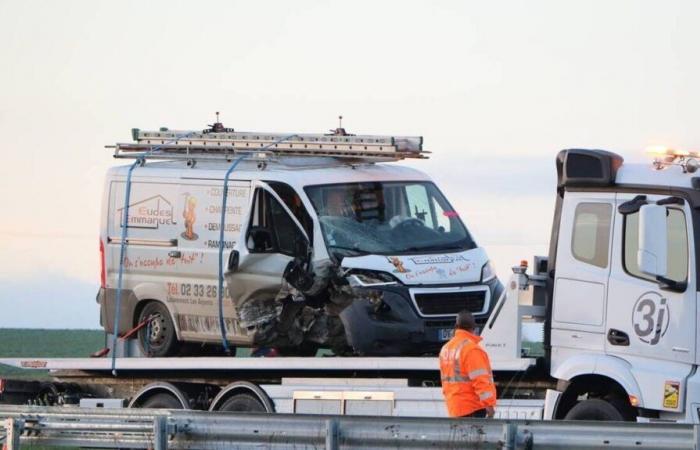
(455, 379)
(484, 395)
(475, 373)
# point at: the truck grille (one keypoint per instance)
(439, 303)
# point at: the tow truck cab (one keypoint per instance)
(621, 292)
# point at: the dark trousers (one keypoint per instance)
(479, 414)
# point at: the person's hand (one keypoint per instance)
(490, 412)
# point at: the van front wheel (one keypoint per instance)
(157, 338)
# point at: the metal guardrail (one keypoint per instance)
(173, 429)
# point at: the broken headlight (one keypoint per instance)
(367, 278)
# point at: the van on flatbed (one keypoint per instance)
(326, 243)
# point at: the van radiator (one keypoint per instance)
(437, 303)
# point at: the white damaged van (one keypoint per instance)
(327, 244)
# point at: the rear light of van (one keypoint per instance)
(103, 273)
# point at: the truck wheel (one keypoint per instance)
(595, 409)
(162, 401)
(243, 403)
(157, 338)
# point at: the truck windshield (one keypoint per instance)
(388, 218)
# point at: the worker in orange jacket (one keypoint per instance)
(465, 371)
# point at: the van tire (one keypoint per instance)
(595, 409)
(242, 403)
(158, 338)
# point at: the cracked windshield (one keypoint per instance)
(388, 217)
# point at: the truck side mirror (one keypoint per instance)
(653, 248)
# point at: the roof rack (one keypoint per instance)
(220, 143)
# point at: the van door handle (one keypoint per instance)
(617, 337)
(175, 254)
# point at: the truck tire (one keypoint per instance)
(242, 403)
(162, 401)
(158, 338)
(595, 409)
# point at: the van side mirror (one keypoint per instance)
(233, 259)
(302, 249)
(653, 248)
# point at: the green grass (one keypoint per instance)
(533, 349)
(19, 343)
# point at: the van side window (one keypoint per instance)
(590, 241)
(677, 241)
(271, 229)
(292, 200)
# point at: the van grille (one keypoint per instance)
(438, 303)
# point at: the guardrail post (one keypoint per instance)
(332, 434)
(160, 433)
(13, 430)
(510, 433)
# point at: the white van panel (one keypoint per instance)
(162, 252)
(151, 231)
(193, 293)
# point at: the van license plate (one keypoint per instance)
(445, 334)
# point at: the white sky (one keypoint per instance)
(496, 88)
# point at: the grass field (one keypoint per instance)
(45, 344)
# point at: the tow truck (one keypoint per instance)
(616, 297)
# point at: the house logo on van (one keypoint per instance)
(149, 213)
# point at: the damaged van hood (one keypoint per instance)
(433, 268)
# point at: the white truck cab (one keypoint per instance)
(621, 288)
(325, 244)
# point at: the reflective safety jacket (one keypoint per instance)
(467, 381)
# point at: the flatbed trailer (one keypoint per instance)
(395, 386)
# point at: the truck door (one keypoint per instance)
(583, 267)
(642, 318)
(270, 241)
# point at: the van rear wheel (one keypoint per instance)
(157, 338)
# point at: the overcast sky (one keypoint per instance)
(496, 88)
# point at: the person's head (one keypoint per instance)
(465, 321)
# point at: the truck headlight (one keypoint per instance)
(488, 272)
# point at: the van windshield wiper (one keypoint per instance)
(435, 248)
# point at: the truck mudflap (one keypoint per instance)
(551, 400)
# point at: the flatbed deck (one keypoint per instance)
(300, 364)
